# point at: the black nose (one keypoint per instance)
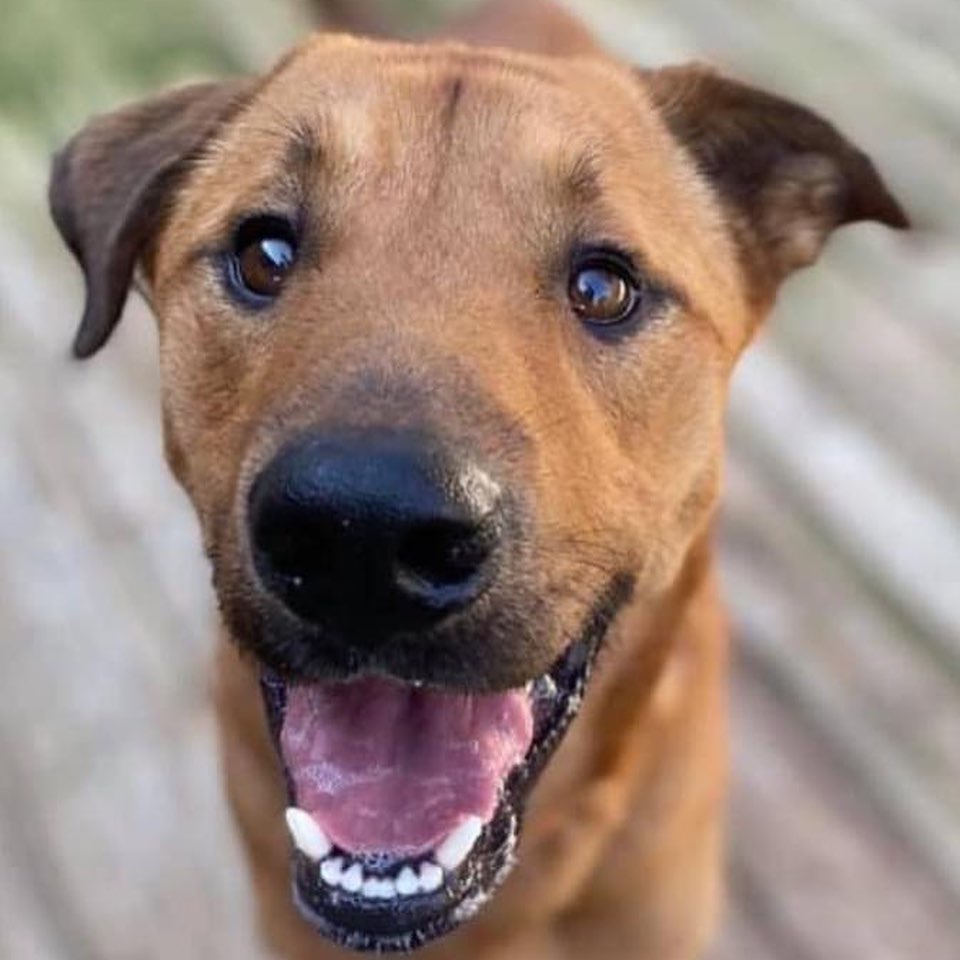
(374, 531)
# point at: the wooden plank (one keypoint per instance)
(95, 446)
(918, 280)
(787, 583)
(887, 524)
(823, 866)
(927, 22)
(105, 668)
(651, 35)
(153, 810)
(926, 77)
(37, 921)
(881, 367)
(122, 778)
(740, 936)
(840, 675)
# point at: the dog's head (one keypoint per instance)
(445, 339)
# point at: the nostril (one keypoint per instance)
(293, 549)
(283, 549)
(442, 553)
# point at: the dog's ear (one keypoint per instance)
(111, 184)
(785, 176)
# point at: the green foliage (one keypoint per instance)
(60, 59)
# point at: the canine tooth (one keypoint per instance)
(453, 851)
(307, 835)
(431, 877)
(332, 870)
(382, 888)
(352, 878)
(408, 883)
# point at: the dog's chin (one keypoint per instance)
(398, 843)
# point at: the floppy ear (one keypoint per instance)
(111, 184)
(786, 177)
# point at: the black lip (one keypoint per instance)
(405, 923)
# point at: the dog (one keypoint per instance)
(446, 331)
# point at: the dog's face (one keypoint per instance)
(445, 338)
(507, 283)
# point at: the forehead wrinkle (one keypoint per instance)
(360, 85)
(454, 87)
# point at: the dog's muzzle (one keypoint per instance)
(411, 717)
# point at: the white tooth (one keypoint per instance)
(307, 835)
(332, 870)
(377, 888)
(453, 851)
(408, 883)
(431, 877)
(352, 878)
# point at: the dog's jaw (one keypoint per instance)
(381, 901)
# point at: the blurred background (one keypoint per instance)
(841, 531)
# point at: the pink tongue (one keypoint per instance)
(386, 767)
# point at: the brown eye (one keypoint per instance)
(602, 292)
(265, 252)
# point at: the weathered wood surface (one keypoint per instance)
(841, 530)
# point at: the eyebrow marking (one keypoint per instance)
(581, 182)
(286, 194)
(304, 153)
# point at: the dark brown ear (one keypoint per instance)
(787, 178)
(111, 183)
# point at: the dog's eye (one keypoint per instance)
(602, 291)
(264, 251)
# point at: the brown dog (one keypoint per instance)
(445, 335)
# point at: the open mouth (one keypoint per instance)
(406, 801)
